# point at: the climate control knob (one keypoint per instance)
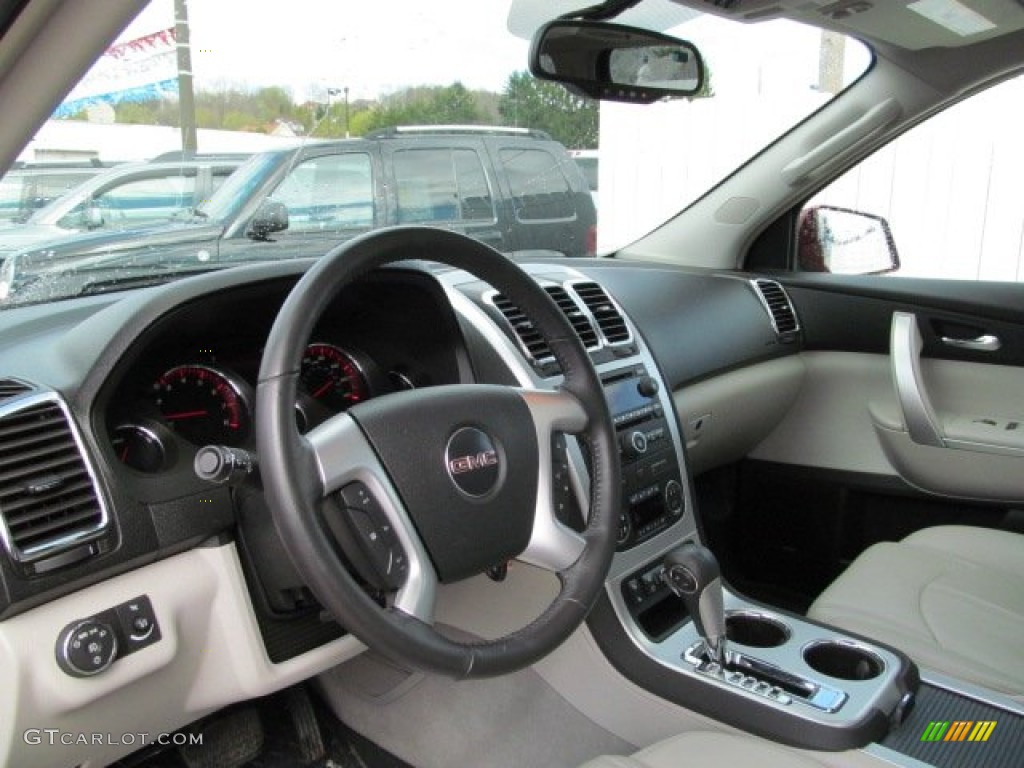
(633, 444)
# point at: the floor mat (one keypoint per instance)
(506, 722)
(289, 729)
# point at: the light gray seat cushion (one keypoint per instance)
(950, 597)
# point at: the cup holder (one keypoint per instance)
(843, 660)
(757, 630)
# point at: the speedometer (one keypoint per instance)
(333, 377)
(203, 405)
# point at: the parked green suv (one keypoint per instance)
(512, 188)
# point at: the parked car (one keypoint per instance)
(513, 188)
(741, 492)
(27, 187)
(587, 160)
(129, 196)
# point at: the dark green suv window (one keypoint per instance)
(329, 194)
(441, 185)
(539, 188)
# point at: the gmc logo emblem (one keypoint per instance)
(473, 461)
(462, 464)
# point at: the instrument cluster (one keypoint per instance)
(209, 402)
(193, 382)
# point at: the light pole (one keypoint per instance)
(327, 115)
(346, 112)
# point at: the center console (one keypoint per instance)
(762, 670)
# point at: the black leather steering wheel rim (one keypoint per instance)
(288, 463)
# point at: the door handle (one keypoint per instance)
(984, 343)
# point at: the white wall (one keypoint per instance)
(951, 189)
(117, 142)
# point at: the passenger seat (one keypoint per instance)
(950, 597)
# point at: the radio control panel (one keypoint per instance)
(652, 491)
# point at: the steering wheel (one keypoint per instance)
(438, 484)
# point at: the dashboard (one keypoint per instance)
(147, 378)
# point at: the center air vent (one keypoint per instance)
(12, 388)
(609, 318)
(779, 308)
(48, 500)
(534, 345)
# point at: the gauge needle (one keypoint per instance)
(323, 390)
(185, 415)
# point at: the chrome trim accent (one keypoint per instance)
(755, 284)
(984, 343)
(570, 285)
(68, 541)
(344, 455)
(905, 358)
(552, 546)
(670, 654)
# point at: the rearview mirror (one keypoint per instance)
(845, 242)
(616, 63)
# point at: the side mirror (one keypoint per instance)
(845, 242)
(271, 217)
(92, 216)
(616, 63)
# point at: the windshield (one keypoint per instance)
(398, 112)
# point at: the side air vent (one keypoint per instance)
(779, 308)
(609, 319)
(530, 337)
(48, 501)
(12, 388)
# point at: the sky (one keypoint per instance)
(375, 47)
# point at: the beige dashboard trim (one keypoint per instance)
(210, 655)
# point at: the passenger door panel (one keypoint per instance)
(839, 472)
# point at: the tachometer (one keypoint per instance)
(332, 376)
(203, 405)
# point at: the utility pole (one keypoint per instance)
(346, 113)
(186, 97)
(830, 62)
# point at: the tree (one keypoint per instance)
(424, 105)
(547, 106)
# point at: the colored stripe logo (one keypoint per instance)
(958, 730)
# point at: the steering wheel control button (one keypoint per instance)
(383, 560)
(86, 648)
(473, 461)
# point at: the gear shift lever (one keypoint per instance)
(691, 571)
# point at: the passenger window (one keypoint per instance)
(949, 190)
(136, 202)
(328, 194)
(441, 185)
(539, 188)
